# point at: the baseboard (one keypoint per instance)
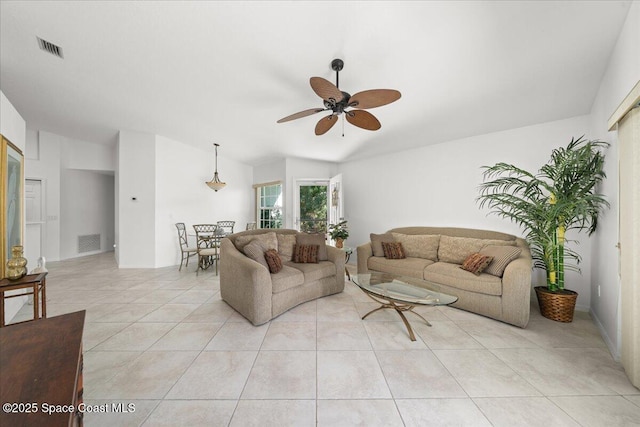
(84, 254)
(613, 349)
(584, 308)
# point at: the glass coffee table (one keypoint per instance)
(401, 293)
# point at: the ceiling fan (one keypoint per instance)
(338, 101)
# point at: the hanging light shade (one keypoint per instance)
(215, 184)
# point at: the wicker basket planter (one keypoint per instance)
(558, 306)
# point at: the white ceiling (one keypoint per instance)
(205, 72)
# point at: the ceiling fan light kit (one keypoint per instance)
(215, 184)
(338, 101)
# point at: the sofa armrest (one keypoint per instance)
(245, 284)
(516, 291)
(364, 253)
(337, 257)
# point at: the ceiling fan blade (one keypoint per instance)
(325, 124)
(373, 98)
(363, 119)
(301, 114)
(325, 89)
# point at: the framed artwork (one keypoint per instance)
(12, 200)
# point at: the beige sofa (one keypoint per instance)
(435, 254)
(249, 287)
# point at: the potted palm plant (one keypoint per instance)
(561, 196)
(339, 233)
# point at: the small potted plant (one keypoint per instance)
(339, 233)
(562, 196)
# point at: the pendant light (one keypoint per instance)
(215, 184)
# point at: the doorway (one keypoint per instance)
(629, 138)
(626, 119)
(34, 212)
(312, 206)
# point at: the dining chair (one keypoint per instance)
(226, 226)
(251, 226)
(207, 243)
(186, 251)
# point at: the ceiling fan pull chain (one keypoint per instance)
(343, 125)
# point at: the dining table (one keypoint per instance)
(209, 241)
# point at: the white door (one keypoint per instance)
(629, 230)
(336, 200)
(34, 230)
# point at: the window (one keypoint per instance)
(269, 205)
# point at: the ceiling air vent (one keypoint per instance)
(50, 47)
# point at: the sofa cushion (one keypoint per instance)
(273, 261)
(376, 242)
(314, 239)
(268, 240)
(313, 272)
(452, 275)
(255, 251)
(476, 263)
(419, 245)
(502, 256)
(456, 249)
(393, 250)
(287, 278)
(411, 267)
(285, 245)
(305, 254)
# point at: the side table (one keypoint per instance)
(347, 255)
(36, 284)
(41, 363)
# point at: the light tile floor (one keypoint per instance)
(165, 342)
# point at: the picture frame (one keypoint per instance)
(12, 200)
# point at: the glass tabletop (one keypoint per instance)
(403, 289)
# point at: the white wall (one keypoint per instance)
(621, 75)
(136, 199)
(87, 200)
(116, 202)
(12, 125)
(437, 185)
(13, 128)
(270, 172)
(88, 156)
(183, 196)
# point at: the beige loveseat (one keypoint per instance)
(435, 254)
(250, 288)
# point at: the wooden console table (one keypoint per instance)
(36, 283)
(41, 372)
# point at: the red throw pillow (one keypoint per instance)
(273, 261)
(393, 250)
(476, 263)
(305, 254)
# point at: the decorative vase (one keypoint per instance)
(17, 265)
(339, 243)
(556, 305)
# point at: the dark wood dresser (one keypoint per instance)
(41, 372)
